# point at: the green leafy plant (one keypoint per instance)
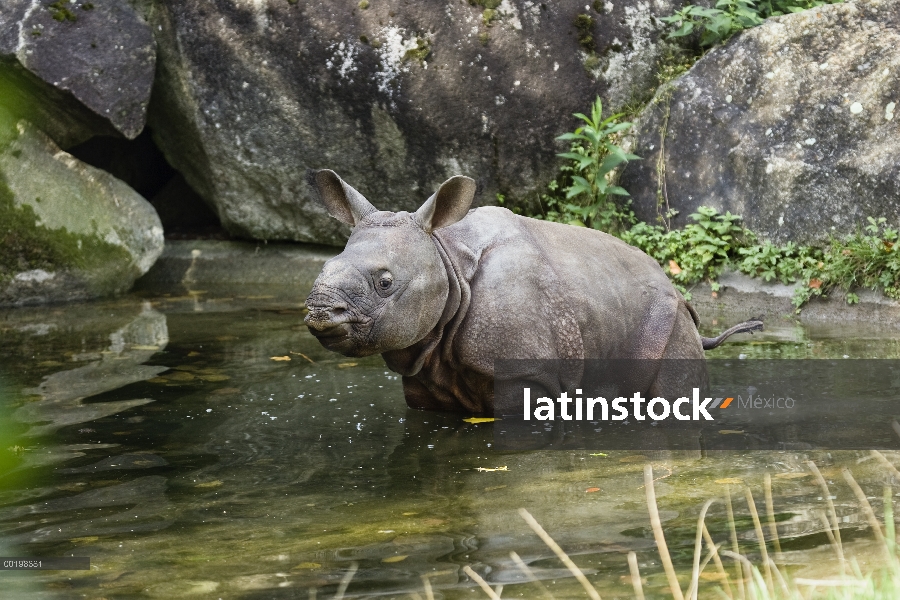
(783, 263)
(728, 17)
(868, 259)
(595, 156)
(697, 252)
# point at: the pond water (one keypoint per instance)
(204, 444)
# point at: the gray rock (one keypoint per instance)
(789, 125)
(68, 231)
(88, 71)
(396, 97)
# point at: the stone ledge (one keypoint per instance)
(203, 262)
(741, 296)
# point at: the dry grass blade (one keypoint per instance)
(718, 561)
(770, 513)
(735, 547)
(698, 547)
(536, 527)
(695, 586)
(824, 518)
(481, 583)
(635, 576)
(740, 558)
(426, 583)
(348, 577)
(886, 463)
(781, 581)
(656, 525)
(530, 575)
(835, 530)
(761, 539)
(867, 510)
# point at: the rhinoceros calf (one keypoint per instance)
(443, 292)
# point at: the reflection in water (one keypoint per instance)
(257, 478)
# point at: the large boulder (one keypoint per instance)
(68, 231)
(76, 68)
(791, 125)
(394, 97)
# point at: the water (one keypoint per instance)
(205, 445)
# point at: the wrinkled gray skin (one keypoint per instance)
(443, 292)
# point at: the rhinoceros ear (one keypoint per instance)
(341, 201)
(448, 205)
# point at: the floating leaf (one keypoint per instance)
(193, 353)
(599, 454)
(281, 358)
(592, 490)
(84, 540)
(144, 347)
(733, 480)
(409, 514)
(731, 431)
(479, 420)
(489, 470)
(209, 484)
(346, 365)
(395, 559)
(306, 565)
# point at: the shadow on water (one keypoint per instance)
(206, 444)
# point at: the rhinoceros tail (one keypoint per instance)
(754, 324)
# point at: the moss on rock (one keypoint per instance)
(67, 231)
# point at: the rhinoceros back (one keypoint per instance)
(547, 290)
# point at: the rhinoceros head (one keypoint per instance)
(389, 287)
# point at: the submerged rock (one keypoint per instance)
(789, 125)
(76, 68)
(68, 231)
(395, 98)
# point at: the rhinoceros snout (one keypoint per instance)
(328, 316)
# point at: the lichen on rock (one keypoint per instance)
(785, 125)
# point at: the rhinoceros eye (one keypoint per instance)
(385, 281)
